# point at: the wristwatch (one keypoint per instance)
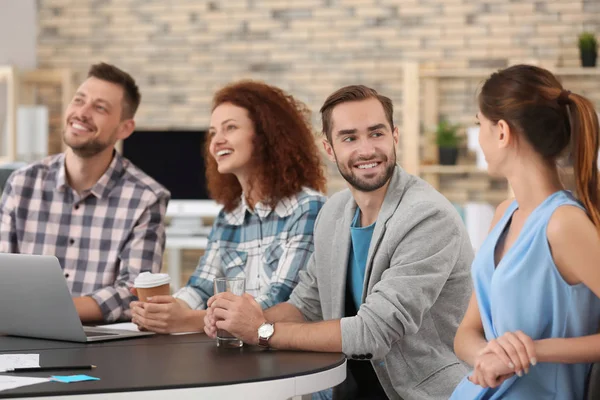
(265, 331)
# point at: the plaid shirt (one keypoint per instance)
(268, 247)
(103, 238)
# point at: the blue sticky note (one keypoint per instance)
(73, 378)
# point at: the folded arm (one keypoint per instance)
(575, 246)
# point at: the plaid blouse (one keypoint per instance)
(103, 238)
(267, 247)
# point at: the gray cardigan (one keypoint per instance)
(416, 289)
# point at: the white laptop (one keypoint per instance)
(35, 302)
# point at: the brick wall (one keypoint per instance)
(181, 51)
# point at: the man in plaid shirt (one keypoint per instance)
(102, 217)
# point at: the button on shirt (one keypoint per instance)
(267, 247)
(103, 237)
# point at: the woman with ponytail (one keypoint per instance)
(530, 328)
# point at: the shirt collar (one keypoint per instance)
(61, 174)
(106, 182)
(284, 208)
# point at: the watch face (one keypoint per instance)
(265, 330)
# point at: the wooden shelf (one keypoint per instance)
(22, 86)
(422, 99)
(451, 169)
(577, 71)
(484, 72)
(9, 75)
(456, 73)
(45, 76)
(468, 169)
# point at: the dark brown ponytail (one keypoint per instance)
(584, 134)
(533, 103)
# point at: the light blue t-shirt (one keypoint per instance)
(361, 240)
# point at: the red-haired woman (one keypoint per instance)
(264, 167)
(528, 330)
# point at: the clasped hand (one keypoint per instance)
(510, 354)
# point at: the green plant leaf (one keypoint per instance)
(588, 42)
(446, 134)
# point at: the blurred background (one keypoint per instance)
(429, 56)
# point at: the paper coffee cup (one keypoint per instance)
(148, 284)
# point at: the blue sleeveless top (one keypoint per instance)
(526, 292)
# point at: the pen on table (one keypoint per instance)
(57, 368)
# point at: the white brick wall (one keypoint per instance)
(181, 51)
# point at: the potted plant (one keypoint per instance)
(588, 49)
(447, 140)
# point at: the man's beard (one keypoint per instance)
(368, 185)
(87, 149)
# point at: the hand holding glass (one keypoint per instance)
(236, 286)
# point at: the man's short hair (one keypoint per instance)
(353, 93)
(131, 93)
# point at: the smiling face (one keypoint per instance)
(362, 144)
(93, 118)
(231, 135)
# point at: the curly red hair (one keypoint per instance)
(286, 157)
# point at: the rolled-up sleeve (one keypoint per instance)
(305, 296)
(200, 285)
(293, 256)
(418, 271)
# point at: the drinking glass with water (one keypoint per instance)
(236, 286)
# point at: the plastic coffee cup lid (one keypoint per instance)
(149, 280)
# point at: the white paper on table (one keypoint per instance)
(13, 382)
(9, 361)
(123, 326)
(130, 326)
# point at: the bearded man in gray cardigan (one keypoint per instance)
(388, 282)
